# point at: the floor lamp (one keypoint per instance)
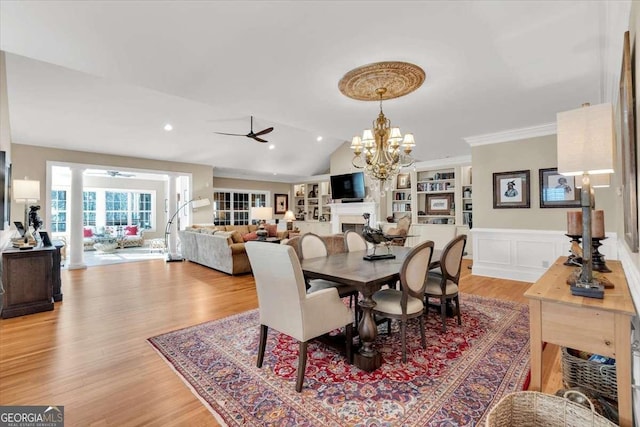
(585, 148)
(195, 203)
(26, 191)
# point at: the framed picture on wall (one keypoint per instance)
(439, 204)
(281, 203)
(628, 143)
(558, 191)
(403, 181)
(511, 189)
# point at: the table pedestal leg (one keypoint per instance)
(368, 359)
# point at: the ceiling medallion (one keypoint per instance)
(398, 78)
(382, 150)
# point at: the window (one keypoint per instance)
(234, 207)
(102, 208)
(58, 211)
(142, 210)
(116, 208)
(89, 208)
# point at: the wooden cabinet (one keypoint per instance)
(28, 279)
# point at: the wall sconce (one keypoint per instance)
(585, 147)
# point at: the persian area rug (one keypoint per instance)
(461, 375)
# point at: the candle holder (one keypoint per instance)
(574, 260)
(596, 257)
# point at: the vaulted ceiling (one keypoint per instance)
(107, 76)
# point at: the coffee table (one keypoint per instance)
(105, 245)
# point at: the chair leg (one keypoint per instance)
(264, 329)
(348, 332)
(443, 313)
(403, 333)
(302, 364)
(423, 337)
(457, 300)
(388, 326)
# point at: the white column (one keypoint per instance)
(173, 200)
(74, 205)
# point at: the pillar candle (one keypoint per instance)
(597, 224)
(574, 223)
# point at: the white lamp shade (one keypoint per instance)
(367, 136)
(356, 142)
(26, 191)
(289, 216)
(585, 140)
(409, 141)
(200, 203)
(261, 214)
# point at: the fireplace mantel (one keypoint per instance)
(340, 210)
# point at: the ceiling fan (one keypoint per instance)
(118, 173)
(111, 173)
(253, 135)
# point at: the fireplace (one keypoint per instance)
(358, 228)
(350, 215)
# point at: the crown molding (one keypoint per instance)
(512, 135)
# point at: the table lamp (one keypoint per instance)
(289, 217)
(26, 191)
(262, 214)
(585, 147)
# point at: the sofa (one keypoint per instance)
(222, 247)
(126, 237)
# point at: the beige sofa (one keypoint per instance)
(220, 247)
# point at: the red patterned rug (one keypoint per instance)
(454, 382)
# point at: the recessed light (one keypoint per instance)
(275, 173)
(168, 127)
(319, 139)
(272, 147)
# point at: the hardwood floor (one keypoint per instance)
(90, 354)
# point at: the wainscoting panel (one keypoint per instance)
(524, 255)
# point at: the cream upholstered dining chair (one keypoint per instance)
(354, 241)
(407, 303)
(444, 286)
(311, 245)
(285, 306)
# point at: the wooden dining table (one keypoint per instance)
(351, 269)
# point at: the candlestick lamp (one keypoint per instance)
(585, 147)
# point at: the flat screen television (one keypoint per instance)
(348, 186)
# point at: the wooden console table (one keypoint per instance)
(601, 326)
(28, 278)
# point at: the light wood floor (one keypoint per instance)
(90, 354)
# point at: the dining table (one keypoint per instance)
(350, 268)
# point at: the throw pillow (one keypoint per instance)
(88, 232)
(131, 230)
(250, 236)
(236, 237)
(272, 229)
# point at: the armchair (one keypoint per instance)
(285, 306)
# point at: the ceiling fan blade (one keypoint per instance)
(232, 134)
(259, 139)
(264, 131)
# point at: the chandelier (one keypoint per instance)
(382, 150)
